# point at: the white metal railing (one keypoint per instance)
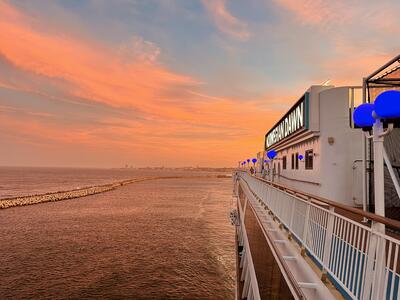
(363, 261)
(248, 275)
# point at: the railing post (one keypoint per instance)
(305, 229)
(293, 206)
(328, 242)
(375, 264)
(292, 213)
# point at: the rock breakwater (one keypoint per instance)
(65, 195)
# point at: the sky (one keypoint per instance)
(99, 83)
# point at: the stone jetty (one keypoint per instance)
(65, 195)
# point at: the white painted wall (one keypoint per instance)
(314, 91)
(338, 158)
(294, 177)
(332, 176)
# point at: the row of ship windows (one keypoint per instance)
(308, 157)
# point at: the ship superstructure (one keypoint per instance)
(310, 221)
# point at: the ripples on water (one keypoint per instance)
(162, 239)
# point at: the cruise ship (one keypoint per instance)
(317, 211)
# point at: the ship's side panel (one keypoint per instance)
(324, 158)
(340, 149)
(294, 173)
(314, 116)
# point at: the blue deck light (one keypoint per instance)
(248, 160)
(362, 115)
(301, 157)
(254, 160)
(387, 104)
(271, 154)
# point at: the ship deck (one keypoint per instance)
(303, 246)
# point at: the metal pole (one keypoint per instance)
(376, 250)
(379, 168)
(364, 156)
(397, 58)
(391, 172)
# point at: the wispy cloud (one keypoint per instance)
(66, 86)
(225, 21)
(357, 37)
(318, 12)
(333, 14)
(175, 112)
(128, 77)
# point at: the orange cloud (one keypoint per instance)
(225, 21)
(221, 141)
(318, 12)
(96, 72)
(179, 121)
(330, 15)
(355, 64)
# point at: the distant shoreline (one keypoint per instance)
(81, 192)
(204, 169)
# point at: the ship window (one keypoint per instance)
(292, 161)
(284, 163)
(297, 161)
(309, 159)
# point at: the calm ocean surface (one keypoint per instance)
(161, 239)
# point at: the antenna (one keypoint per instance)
(326, 82)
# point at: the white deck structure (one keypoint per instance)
(331, 148)
(300, 206)
(361, 262)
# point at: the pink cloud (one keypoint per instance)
(180, 121)
(95, 72)
(225, 21)
(318, 12)
(331, 15)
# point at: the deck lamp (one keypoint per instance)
(301, 157)
(362, 116)
(387, 105)
(271, 154)
(254, 160)
(375, 117)
(248, 160)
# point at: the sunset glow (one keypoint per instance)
(173, 83)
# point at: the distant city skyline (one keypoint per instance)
(176, 83)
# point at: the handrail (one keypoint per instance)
(362, 260)
(300, 180)
(253, 277)
(371, 216)
(296, 287)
